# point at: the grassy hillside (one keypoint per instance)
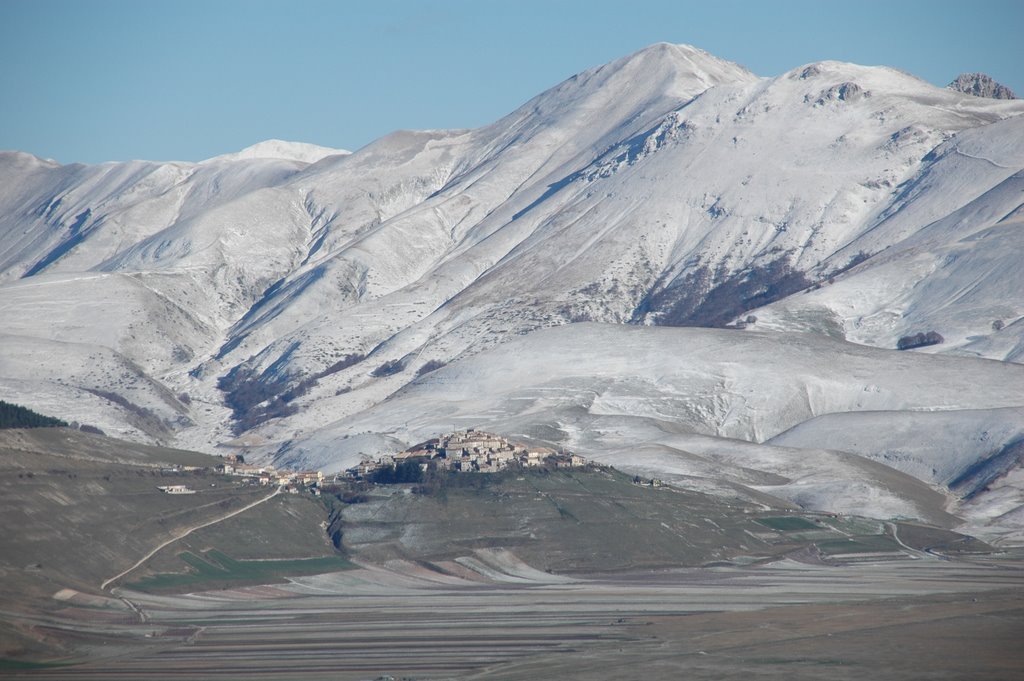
(597, 520)
(81, 508)
(87, 507)
(284, 537)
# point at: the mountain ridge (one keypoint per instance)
(308, 287)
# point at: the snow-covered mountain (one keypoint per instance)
(299, 301)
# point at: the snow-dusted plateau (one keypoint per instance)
(666, 263)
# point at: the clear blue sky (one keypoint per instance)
(95, 80)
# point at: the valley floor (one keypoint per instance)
(498, 619)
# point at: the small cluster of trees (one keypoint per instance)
(255, 398)
(303, 386)
(15, 416)
(405, 472)
(150, 419)
(431, 365)
(919, 340)
(715, 298)
(392, 366)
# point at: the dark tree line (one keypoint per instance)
(714, 298)
(14, 416)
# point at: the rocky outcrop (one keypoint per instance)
(981, 85)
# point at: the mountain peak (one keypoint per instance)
(674, 50)
(981, 85)
(24, 159)
(685, 59)
(281, 149)
(599, 107)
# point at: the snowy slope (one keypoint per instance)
(946, 256)
(259, 298)
(73, 218)
(749, 386)
(90, 384)
(975, 453)
(662, 400)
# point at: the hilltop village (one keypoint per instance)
(468, 451)
(465, 451)
(253, 474)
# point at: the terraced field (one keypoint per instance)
(493, 617)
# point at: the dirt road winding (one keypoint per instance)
(187, 533)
